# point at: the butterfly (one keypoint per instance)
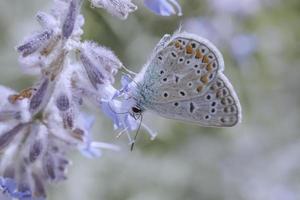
(184, 80)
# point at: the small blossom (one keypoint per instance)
(35, 42)
(164, 7)
(13, 110)
(106, 60)
(95, 76)
(49, 166)
(35, 150)
(7, 137)
(69, 22)
(63, 102)
(47, 21)
(39, 99)
(8, 186)
(39, 186)
(32, 65)
(6, 115)
(41, 124)
(91, 148)
(118, 8)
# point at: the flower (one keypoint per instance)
(41, 124)
(118, 8)
(164, 7)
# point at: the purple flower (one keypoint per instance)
(118, 8)
(9, 187)
(164, 7)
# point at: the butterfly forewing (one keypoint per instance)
(183, 69)
(218, 106)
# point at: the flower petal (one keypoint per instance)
(164, 7)
(118, 8)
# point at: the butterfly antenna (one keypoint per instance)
(136, 134)
(131, 78)
(128, 70)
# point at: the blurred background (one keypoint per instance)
(256, 160)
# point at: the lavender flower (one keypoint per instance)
(164, 7)
(35, 42)
(41, 124)
(70, 19)
(118, 8)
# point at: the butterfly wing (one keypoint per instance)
(217, 106)
(184, 81)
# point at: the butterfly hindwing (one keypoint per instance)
(218, 106)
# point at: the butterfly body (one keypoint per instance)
(184, 80)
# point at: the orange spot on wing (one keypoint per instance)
(177, 44)
(209, 67)
(204, 78)
(205, 59)
(199, 88)
(189, 49)
(198, 54)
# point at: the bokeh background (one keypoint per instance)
(256, 160)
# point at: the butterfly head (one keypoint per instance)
(136, 110)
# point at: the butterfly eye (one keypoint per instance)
(165, 79)
(176, 104)
(136, 110)
(190, 84)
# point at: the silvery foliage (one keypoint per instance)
(41, 124)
